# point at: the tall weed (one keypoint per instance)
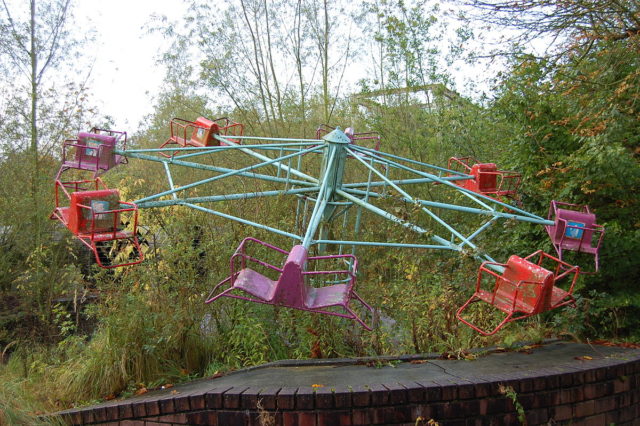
(25, 398)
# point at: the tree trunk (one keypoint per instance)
(297, 49)
(325, 62)
(35, 176)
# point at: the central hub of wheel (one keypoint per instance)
(337, 136)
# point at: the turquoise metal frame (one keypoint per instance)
(331, 192)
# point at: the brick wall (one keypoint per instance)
(597, 392)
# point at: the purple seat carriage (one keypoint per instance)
(93, 151)
(575, 229)
(290, 289)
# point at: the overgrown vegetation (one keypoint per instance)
(72, 334)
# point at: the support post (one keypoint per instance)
(335, 155)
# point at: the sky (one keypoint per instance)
(124, 75)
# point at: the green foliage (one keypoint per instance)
(510, 393)
(18, 406)
(407, 36)
(575, 140)
(44, 277)
(24, 395)
(247, 340)
(143, 344)
(28, 307)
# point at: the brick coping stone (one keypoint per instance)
(554, 383)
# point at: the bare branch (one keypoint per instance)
(14, 31)
(54, 39)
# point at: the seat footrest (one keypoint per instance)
(100, 236)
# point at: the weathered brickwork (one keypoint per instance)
(597, 392)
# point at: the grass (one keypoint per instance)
(23, 400)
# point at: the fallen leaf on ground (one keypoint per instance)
(584, 358)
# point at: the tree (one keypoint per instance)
(576, 134)
(267, 74)
(566, 25)
(32, 44)
(40, 108)
(325, 33)
(406, 40)
(300, 51)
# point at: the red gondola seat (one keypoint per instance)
(486, 178)
(524, 288)
(202, 132)
(95, 214)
